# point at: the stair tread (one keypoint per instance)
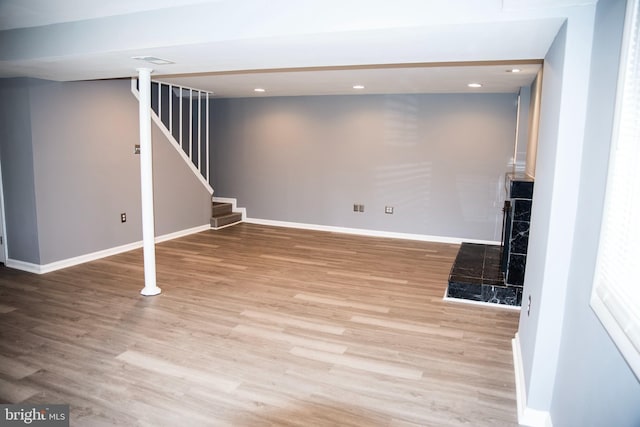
(227, 215)
(218, 208)
(222, 214)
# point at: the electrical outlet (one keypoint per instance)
(388, 209)
(360, 208)
(529, 306)
(355, 207)
(136, 149)
(123, 217)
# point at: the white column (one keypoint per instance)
(146, 183)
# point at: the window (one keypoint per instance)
(616, 291)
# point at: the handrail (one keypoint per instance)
(190, 154)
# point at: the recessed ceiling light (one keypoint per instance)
(153, 60)
(259, 89)
(474, 85)
(514, 70)
(358, 86)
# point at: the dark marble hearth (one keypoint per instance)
(476, 276)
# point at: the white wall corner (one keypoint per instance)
(526, 416)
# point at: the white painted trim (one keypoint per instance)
(24, 266)
(180, 121)
(370, 233)
(146, 181)
(174, 143)
(225, 226)
(186, 87)
(526, 416)
(180, 151)
(480, 303)
(206, 146)
(170, 110)
(70, 262)
(3, 223)
(182, 233)
(234, 206)
(190, 127)
(200, 132)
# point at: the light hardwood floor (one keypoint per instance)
(259, 326)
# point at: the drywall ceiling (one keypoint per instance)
(93, 39)
(415, 78)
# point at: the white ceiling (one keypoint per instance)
(376, 80)
(34, 13)
(292, 47)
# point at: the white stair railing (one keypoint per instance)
(188, 127)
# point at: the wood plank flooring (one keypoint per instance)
(259, 326)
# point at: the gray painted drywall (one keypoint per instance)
(543, 189)
(555, 203)
(17, 171)
(82, 136)
(594, 386)
(439, 160)
(180, 200)
(85, 171)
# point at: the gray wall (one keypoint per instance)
(594, 386)
(571, 367)
(540, 232)
(180, 200)
(85, 173)
(438, 159)
(16, 155)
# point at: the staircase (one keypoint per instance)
(222, 215)
(182, 114)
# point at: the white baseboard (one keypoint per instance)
(181, 233)
(21, 265)
(366, 232)
(70, 262)
(526, 416)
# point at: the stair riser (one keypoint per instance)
(221, 221)
(220, 209)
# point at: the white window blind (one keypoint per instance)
(616, 291)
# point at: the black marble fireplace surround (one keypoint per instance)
(476, 276)
(495, 273)
(516, 230)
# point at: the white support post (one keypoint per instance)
(180, 122)
(146, 184)
(170, 109)
(160, 101)
(191, 125)
(199, 131)
(206, 146)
